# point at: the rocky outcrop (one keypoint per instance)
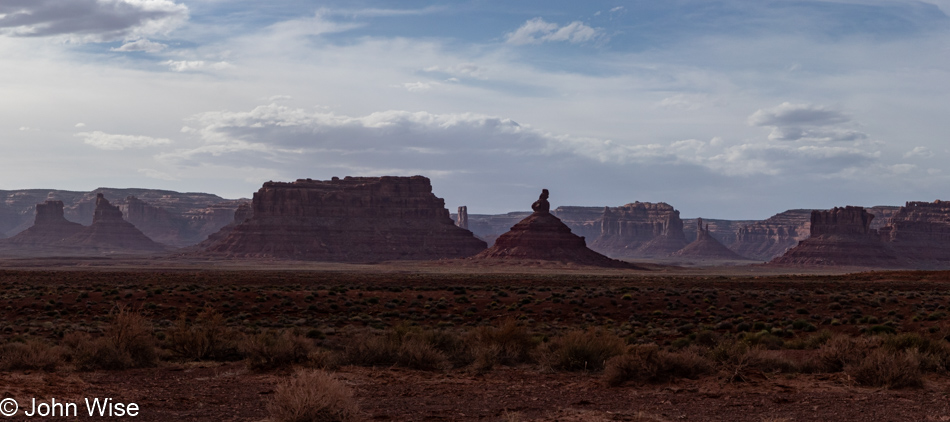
(841, 237)
(49, 227)
(583, 221)
(640, 230)
(111, 233)
(462, 220)
(920, 232)
(542, 236)
(706, 247)
(772, 237)
(349, 219)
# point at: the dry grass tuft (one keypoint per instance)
(886, 368)
(207, 338)
(127, 343)
(276, 349)
(311, 396)
(33, 354)
(508, 344)
(582, 350)
(648, 363)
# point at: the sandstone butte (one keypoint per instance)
(640, 230)
(706, 246)
(109, 233)
(542, 236)
(841, 237)
(49, 227)
(354, 219)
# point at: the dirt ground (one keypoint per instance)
(45, 298)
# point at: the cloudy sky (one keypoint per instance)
(723, 108)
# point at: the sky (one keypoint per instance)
(734, 109)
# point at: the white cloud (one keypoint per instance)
(806, 122)
(80, 124)
(195, 65)
(922, 152)
(113, 142)
(419, 86)
(537, 31)
(274, 136)
(90, 20)
(143, 45)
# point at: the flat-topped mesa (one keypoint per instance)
(846, 221)
(49, 227)
(542, 236)
(841, 237)
(349, 219)
(110, 232)
(706, 247)
(640, 230)
(920, 232)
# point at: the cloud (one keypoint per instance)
(537, 31)
(195, 65)
(141, 45)
(922, 152)
(806, 122)
(278, 137)
(114, 142)
(90, 20)
(419, 86)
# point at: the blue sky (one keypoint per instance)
(724, 109)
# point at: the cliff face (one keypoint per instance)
(640, 230)
(350, 219)
(841, 237)
(583, 221)
(920, 231)
(769, 238)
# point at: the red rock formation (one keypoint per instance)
(110, 233)
(640, 230)
(920, 232)
(706, 247)
(542, 236)
(772, 237)
(462, 220)
(49, 227)
(841, 237)
(353, 219)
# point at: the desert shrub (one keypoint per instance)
(733, 359)
(811, 342)
(32, 354)
(841, 351)
(416, 353)
(127, 343)
(582, 350)
(771, 360)
(887, 368)
(648, 363)
(934, 353)
(275, 349)
(373, 350)
(456, 348)
(311, 396)
(508, 344)
(763, 338)
(207, 338)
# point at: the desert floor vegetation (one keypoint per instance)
(613, 333)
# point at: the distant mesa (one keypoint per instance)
(542, 236)
(49, 227)
(841, 237)
(354, 219)
(706, 247)
(640, 230)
